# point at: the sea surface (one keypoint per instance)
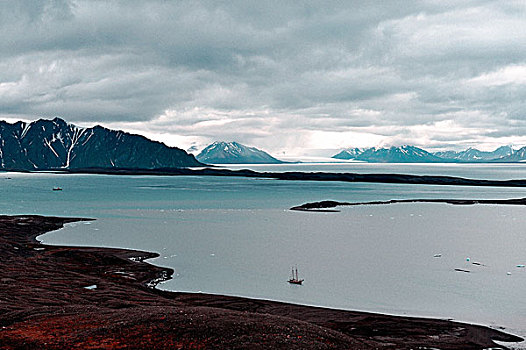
(236, 236)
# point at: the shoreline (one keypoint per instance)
(58, 296)
(294, 176)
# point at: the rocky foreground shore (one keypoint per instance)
(56, 297)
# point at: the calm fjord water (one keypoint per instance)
(236, 236)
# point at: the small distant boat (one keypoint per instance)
(57, 188)
(462, 270)
(295, 279)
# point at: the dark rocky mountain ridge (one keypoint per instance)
(55, 144)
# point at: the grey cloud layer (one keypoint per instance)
(206, 68)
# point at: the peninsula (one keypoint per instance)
(57, 297)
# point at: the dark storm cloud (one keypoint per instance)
(246, 70)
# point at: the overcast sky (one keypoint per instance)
(291, 77)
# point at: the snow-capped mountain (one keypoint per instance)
(403, 154)
(517, 156)
(350, 153)
(55, 144)
(474, 155)
(221, 152)
(412, 154)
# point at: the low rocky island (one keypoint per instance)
(57, 297)
(301, 176)
(330, 206)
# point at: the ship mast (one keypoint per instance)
(295, 279)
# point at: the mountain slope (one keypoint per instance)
(221, 152)
(403, 154)
(517, 156)
(412, 154)
(351, 153)
(474, 155)
(55, 144)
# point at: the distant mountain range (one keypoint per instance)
(412, 154)
(234, 153)
(474, 155)
(55, 144)
(404, 154)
